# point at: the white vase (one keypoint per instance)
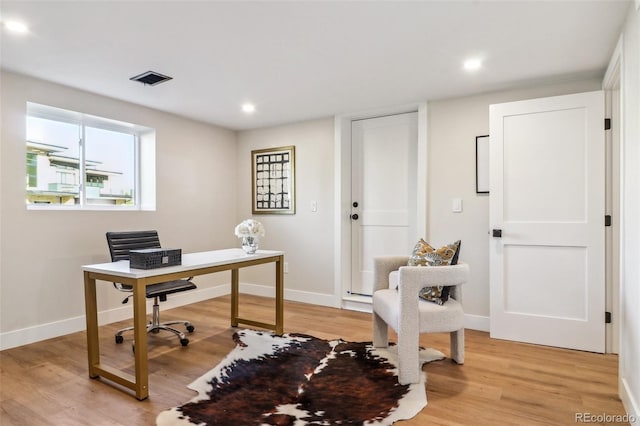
(249, 244)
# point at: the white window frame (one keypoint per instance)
(144, 158)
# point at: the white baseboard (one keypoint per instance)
(363, 304)
(292, 295)
(630, 401)
(40, 332)
(25, 336)
(357, 303)
(476, 322)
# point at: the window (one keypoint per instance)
(81, 161)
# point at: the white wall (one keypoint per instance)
(41, 286)
(204, 191)
(306, 237)
(629, 369)
(453, 126)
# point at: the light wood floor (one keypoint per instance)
(501, 383)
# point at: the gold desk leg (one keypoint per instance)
(280, 295)
(91, 313)
(234, 297)
(140, 339)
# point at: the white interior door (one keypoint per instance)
(384, 201)
(547, 180)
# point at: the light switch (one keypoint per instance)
(456, 205)
(314, 206)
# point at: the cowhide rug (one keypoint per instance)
(296, 379)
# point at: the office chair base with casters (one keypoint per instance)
(120, 243)
(155, 326)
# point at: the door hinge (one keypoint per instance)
(607, 317)
(607, 124)
(607, 220)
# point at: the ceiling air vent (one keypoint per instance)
(151, 78)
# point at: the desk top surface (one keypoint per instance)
(189, 261)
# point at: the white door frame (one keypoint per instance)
(613, 108)
(342, 172)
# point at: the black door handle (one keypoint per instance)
(497, 233)
(354, 216)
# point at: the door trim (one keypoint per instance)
(342, 191)
(613, 107)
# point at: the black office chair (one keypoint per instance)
(119, 245)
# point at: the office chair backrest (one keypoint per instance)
(121, 242)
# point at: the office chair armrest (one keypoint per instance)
(123, 287)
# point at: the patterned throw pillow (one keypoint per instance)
(438, 294)
(425, 255)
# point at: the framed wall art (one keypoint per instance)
(273, 180)
(482, 164)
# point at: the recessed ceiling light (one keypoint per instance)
(472, 64)
(16, 27)
(248, 108)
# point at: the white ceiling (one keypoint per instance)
(299, 60)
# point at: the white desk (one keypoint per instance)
(193, 264)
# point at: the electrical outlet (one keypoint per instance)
(286, 268)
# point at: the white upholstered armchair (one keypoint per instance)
(404, 311)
